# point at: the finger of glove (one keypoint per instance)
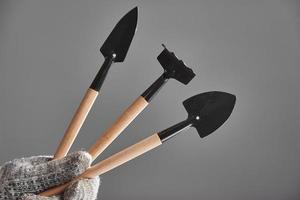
(39, 177)
(62, 170)
(84, 189)
(37, 197)
(9, 169)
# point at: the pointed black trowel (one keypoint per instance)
(114, 50)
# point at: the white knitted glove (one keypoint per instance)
(22, 178)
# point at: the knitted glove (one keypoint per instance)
(38, 173)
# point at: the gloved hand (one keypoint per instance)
(22, 178)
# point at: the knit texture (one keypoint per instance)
(33, 175)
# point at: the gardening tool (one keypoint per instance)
(114, 50)
(206, 112)
(173, 68)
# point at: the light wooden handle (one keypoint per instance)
(115, 130)
(123, 156)
(76, 123)
(112, 162)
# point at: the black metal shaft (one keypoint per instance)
(101, 75)
(155, 87)
(174, 130)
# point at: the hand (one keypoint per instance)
(22, 178)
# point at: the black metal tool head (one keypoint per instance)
(120, 38)
(175, 68)
(209, 110)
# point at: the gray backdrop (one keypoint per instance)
(49, 53)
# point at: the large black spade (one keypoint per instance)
(209, 110)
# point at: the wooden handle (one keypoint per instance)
(56, 190)
(123, 156)
(115, 130)
(76, 123)
(112, 162)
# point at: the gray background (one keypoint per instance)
(49, 53)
